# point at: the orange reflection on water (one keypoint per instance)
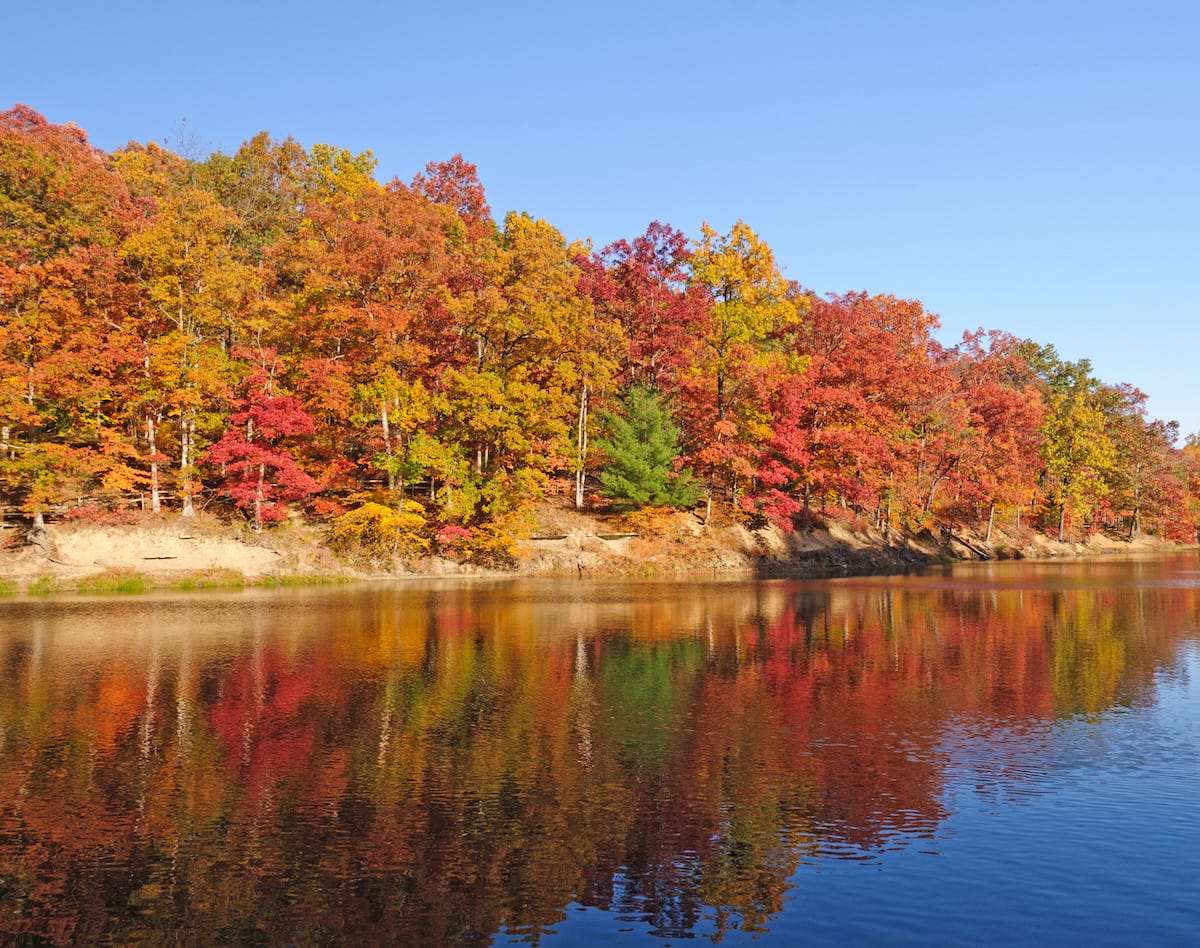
(421, 763)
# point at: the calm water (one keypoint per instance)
(985, 755)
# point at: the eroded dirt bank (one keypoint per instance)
(174, 551)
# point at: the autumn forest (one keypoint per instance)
(276, 333)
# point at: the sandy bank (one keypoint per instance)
(163, 551)
(169, 549)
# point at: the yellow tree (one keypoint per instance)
(745, 343)
(517, 335)
(1078, 453)
(1190, 456)
(518, 391)
(194, 285)
(367, 279)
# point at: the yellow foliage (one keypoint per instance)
(376, 530)
(340, 171)
(653, 521)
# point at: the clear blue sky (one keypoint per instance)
(1027, 166)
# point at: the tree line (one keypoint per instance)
(274, 330)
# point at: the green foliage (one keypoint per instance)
(642, 449)
(296, 579)
(506, 515)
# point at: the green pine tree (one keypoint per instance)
(642, 447)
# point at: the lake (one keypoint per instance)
(982, 754)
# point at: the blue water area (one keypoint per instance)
(1080, 832)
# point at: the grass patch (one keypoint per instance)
(131, 582)
(272, 582)
(209, 579)
(43, 586)
(123, 581)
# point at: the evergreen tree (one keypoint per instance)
(642, 448)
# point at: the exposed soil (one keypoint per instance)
(163, 549)
(564, 543)
(570, 543)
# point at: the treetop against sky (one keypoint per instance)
(1025, 165)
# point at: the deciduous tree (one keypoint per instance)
(255, 468)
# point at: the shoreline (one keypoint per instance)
(174, 554)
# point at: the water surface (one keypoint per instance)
(985, 754)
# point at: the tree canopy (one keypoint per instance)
(276, 330)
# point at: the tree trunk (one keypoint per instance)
(152, 439)
(933, 486)
(387, 446)
(581, 443)
(38, 535)
(187, 434)
(258, 498)
(1062, 522)
(1135, 520)
(991, 522)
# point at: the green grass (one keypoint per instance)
(43, 586)
(122, 581)
(271, 582)
(131, 582)
(210, 579)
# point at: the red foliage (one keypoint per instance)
(257, 471)
(451, 537)
(455, 184)
(644, 286)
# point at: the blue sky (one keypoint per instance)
(1031, 167)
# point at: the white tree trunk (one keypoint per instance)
(581, 443)
(152, 438)
(187, 434)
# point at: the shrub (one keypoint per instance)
(94, 514)
(452, 538)
(375, 531)
(651, 521)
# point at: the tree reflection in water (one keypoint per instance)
(433, 764)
